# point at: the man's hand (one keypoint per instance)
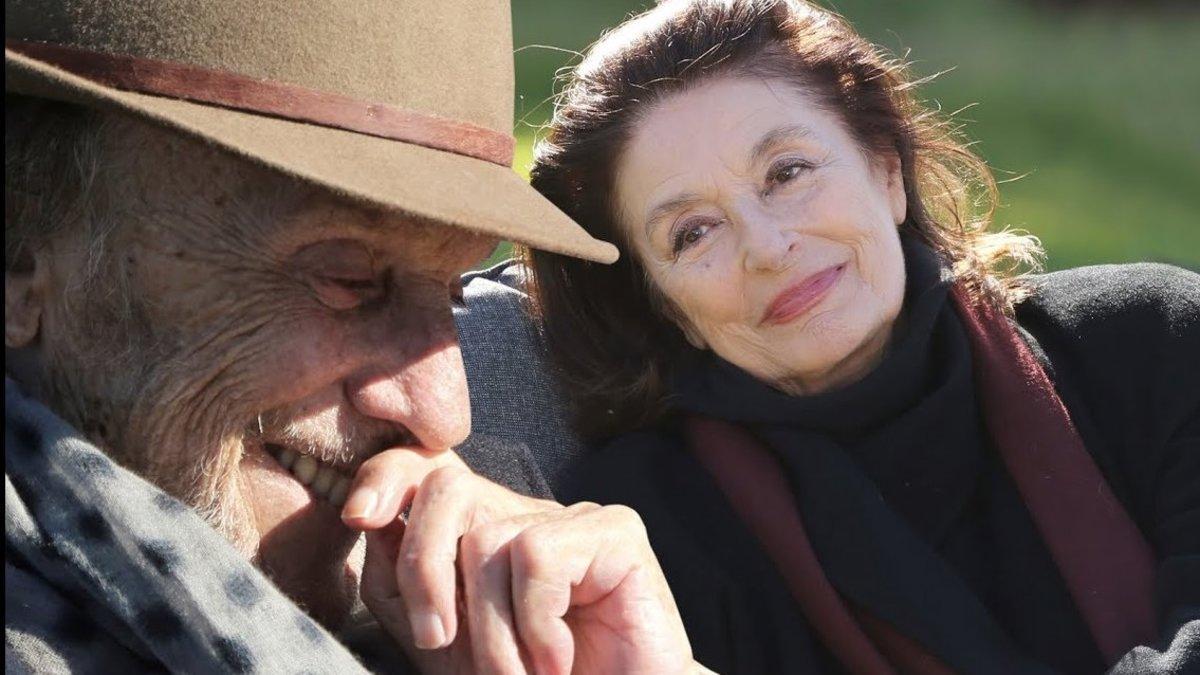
(482, 579)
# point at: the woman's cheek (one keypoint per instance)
(708, 298)
(888, 264)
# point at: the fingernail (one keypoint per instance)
(361, 504)
(428, 632)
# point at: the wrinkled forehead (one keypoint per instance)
(194, 194)
(711, 132)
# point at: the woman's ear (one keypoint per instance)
(897, 198)
(689, 331)
(691, 335)
(25, 291)
(672, 314)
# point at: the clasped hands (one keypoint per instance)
(480, 579)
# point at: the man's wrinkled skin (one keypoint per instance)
(231, 309)
(483, 580)
(232, 297)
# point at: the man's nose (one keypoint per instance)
(425, 390)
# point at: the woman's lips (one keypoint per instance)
(796, 300)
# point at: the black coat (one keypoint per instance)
(1122, 345)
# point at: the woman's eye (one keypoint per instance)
(690, 233)
(783, 173)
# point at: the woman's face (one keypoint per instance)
(768, 228)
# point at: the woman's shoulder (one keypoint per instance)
(1122, 343)
(1106, 298)
(626, 468)
(1118, 328)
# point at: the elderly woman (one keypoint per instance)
(859, 439)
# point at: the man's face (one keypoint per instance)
(238, 314)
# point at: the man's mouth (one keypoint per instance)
(323, 480)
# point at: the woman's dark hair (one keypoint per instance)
(607, 327)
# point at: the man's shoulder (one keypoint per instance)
(515, 396)
(495, 309)
(509, 273)
(498, 338)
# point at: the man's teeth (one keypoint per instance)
(305, 469)
(324, 481)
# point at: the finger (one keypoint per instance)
(448, 502)
(425, 569)
(382, 597)
(385, 484)
(378, 588)
(541, 602)
(487, 576)
(581, 560)
(379, 563)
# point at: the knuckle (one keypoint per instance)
(421, 569)
(533, 552)
(371, 470)
(580, 508)
(625, 518)
(446, 478)
(388, 461)
(482, 542)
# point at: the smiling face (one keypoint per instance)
(241, 317)
(768, 230)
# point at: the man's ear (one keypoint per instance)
(26, 283)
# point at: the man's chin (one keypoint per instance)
(326, 593)
(303, 545)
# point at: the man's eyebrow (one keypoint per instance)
(775, 138)
(667, 207)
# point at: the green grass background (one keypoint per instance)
(1091, 116)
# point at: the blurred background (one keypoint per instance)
(1087, 110)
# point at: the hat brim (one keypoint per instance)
(451, 189)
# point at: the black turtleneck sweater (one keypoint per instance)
(1122, 345)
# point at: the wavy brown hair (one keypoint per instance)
(606, 327)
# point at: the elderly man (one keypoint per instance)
(233, 235)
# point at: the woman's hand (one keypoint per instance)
(482, 579)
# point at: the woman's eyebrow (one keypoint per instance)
(776, 137)
(769, 141)
(665, 208)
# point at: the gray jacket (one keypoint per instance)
(514, 396)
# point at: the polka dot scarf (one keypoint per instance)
(106, 573)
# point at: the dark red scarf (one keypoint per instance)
(1104, 559)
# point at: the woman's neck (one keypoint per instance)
(845, 372)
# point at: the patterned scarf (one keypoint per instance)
(106, 573)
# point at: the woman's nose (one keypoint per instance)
(766, 246)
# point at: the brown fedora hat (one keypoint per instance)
(401, 104)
